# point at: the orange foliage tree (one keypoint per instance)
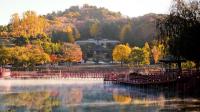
(71, 53)
(157, 52)
(53, 58)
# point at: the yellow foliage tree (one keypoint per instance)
(68, 29)
(69, 33)
(146, 50)
(121, 53)
(72, 14)
(15, 21)
(94, 28)
(29, 26)
(27, 56)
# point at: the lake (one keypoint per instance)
(94, 96)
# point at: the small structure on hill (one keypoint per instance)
(97, 49)
(103, 42)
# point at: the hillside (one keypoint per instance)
(80, 23)
(110, 24)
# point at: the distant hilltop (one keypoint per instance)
(111, 23)
(90, 22)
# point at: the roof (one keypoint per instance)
(97, 41)
(172, 59)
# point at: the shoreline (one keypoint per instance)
(33, 82)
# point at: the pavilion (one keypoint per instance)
(169, 60)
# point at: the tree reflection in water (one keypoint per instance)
(38, 101)
(127, 98)
(121, 99)
(164, 99)
(95, 98)
(72, 98)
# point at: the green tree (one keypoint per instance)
(110, 30)
(137, 56)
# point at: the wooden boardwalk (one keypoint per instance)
(64, 74)
(157, 78)
(112, 75)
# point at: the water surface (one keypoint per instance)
(96, 97)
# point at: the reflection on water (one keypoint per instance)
(43, 101)
(96, 98)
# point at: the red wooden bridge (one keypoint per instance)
(116, 75)
(156, 77)
(105, 74)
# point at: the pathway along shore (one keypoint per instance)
(113, 75)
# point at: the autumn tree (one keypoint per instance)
(157, 52)
(125, 29)
(146, 50)
(29, 26)
(54, 58)
(27, 56)
(15, 22)
(3, 31)
(20, 56)
(71, 53)
(51, 48)
(188, 65)
(94, 28)
(72, 14)
(69, 33)
(5, 56)
(137, 56)
(121, 53)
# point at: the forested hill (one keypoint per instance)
(90, 22)
(80, 23)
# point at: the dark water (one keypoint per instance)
(102, 97)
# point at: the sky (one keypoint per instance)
(131, 8)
